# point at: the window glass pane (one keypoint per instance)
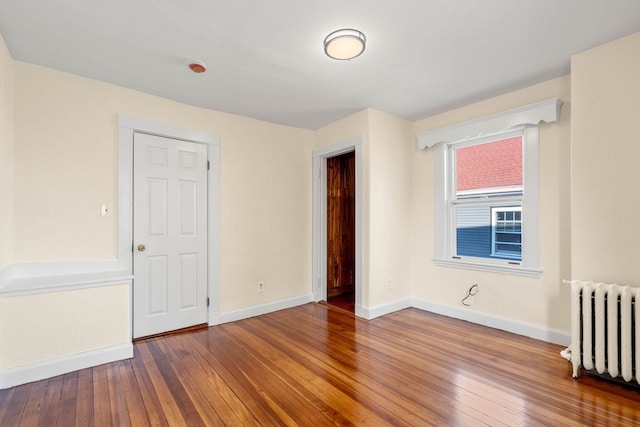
(508, 238)
(492, 168)
(506, 249)
(473, 230)
(486, 231)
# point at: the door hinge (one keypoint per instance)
(207, 301)
(208, 165)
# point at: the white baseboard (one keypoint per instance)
(528, 330)
(51, 368)
(257, 310)
(381, 310)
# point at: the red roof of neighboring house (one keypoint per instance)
(490, 165)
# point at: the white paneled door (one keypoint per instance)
(169, 234)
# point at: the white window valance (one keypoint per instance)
(546, 111)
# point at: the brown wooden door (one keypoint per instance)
(340, 224)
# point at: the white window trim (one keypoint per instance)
(491, 127)
(546, 111)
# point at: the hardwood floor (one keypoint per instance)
(317, 365)
(346, 301)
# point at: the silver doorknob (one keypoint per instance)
(141, 247)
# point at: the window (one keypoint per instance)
(488, 202)
(486, 190)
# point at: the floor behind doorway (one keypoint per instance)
(344, 301)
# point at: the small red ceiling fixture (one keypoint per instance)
(198, 67)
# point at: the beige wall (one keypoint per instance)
(351, 126)
(37, 328)
(390, 147)
(605, 162)
(6, 155)
(539, 301)
(65, 166)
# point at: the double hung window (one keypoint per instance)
(486, 190)
(488, 202)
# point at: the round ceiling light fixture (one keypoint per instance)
(198, 67)
(344, 44)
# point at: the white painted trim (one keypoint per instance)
(391, 307)
(488, 267)
(47, 277)
(521, 328)
(62, 365)
(64, 282)
(162, 129)
(257, 310)
(546, 111)
(213, 226)
(130, 125)
(319, 245)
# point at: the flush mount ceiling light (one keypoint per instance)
(344, 44)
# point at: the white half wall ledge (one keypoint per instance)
(545, 111)
(28, 279)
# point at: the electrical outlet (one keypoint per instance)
(389, 286)
(260, 286)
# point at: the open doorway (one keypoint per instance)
(320, 199)
(341, 230)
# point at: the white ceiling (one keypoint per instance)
(265, 57)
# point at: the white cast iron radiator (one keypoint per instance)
(605, 329)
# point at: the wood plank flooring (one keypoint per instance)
(318, 365)
(345, 301)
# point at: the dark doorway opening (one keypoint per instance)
(341, 236)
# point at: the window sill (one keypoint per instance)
(492, 268)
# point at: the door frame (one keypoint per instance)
(319, 239)
(128, 126)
